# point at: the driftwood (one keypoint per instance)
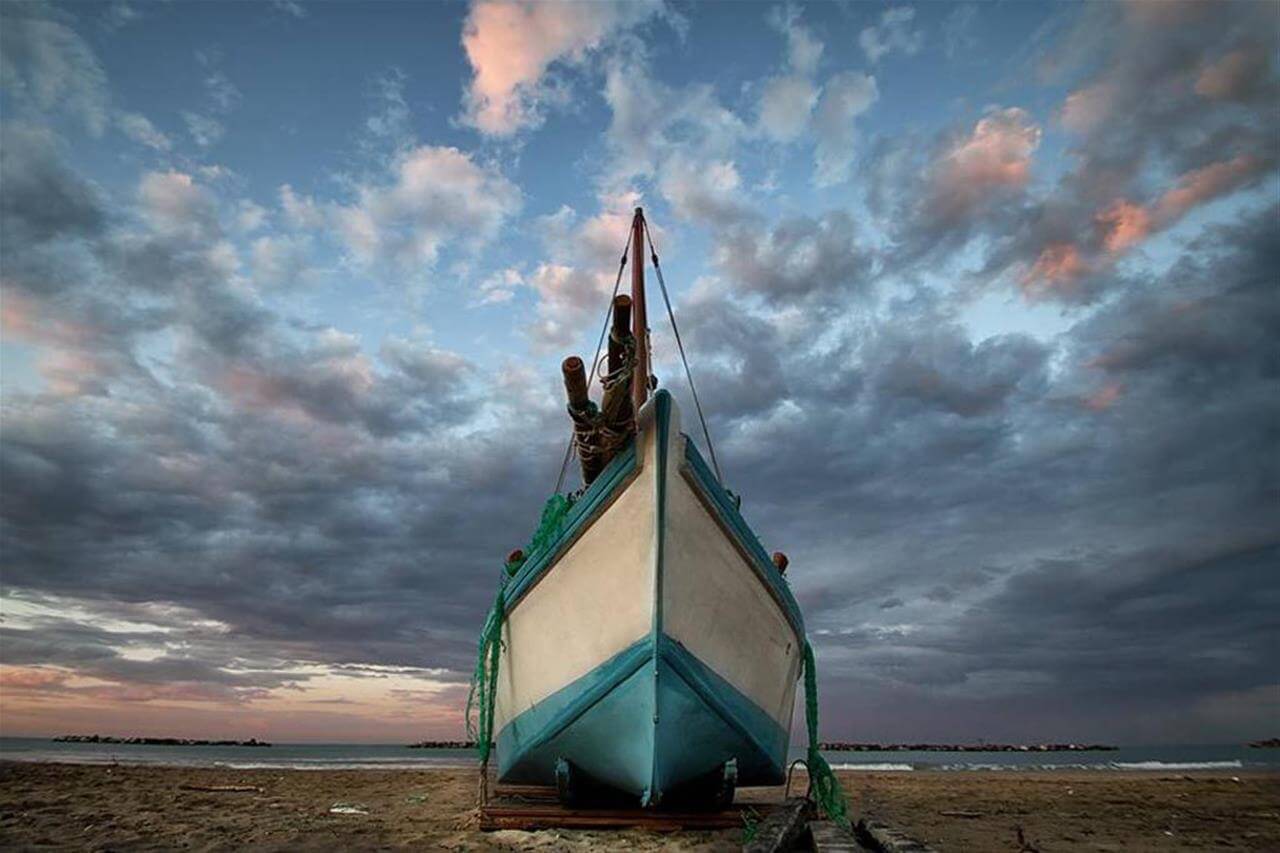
(959, 813)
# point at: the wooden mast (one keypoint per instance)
(639, 318)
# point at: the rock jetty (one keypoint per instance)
(842, 746)
(157, 741)
(1269, 743)
(443, 744)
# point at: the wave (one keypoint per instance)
(1176, 765)
(876, 767)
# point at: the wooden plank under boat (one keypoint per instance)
(653, 648)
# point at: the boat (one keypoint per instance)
(645, 646)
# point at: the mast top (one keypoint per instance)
(639, 317)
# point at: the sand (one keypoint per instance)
(85, 807)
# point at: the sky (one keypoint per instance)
(981, 301)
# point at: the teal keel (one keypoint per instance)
(641, 733)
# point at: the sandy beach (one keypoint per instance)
(87, 807)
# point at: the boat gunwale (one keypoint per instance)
(715, 499)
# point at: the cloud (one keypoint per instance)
(500, 286)
(574, 281)
(301, 211)
(204, 130)
(957, 30)
(785, 104)
(290, 8)
(1241, 75)
(704, 192)
(796, 259)
(511, 44)
(804, 49)
(845, 96)
(140, 129)
(892, 33)
(787, 99)
(995, 156)
(652, 122)
(119, 15)
(1123, 224)
(1208, 182)
(172, 201)
(434, 196)
(47, 66)
(42, 198)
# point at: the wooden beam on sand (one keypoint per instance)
(874, 836)
(534, 816)
(830, 837)
(782, 829)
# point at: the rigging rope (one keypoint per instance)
(824, 787)
(484, 679)
(653, 255)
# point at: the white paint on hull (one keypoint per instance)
(594, 603)
(715, 605)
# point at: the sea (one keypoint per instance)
(338, 756)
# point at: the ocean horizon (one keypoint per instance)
(363, 756)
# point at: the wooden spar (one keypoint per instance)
(583, 415)
(616, 413)
(621, 328)
(639, 319)
(575, 382)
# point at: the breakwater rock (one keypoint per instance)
(157, 741)
(842, 746)
(443, 744)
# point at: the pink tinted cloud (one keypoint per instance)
(30, 678)
(1104, 398)
(1086, 108)
(1205, 184)
(1233, 76)
(1123, 225)
(1055, 270)
(995, 156)
(511, 44)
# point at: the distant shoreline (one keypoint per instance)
(842, 746)
(155, 741)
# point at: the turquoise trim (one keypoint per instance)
(529, 745)
(604, 723)
(722, 724)
(584, 510)
(723, 506)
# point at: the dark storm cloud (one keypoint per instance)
(971, 514)
(1038, 520)
(41, 198)
(264, 474)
